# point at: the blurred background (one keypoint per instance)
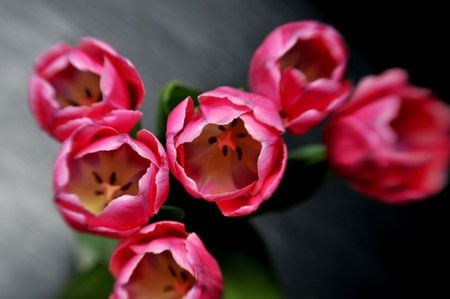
(338, 244)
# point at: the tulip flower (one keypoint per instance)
(392, 139)
(300, 66)
(229, 151)
(107, 182)
(163, 261)
(87, 80)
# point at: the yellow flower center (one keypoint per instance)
(99, 178)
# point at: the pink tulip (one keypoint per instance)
(163, 261)
(107, 182)
(229, 151)
(392, 139)
(88, 80)
(300, 66)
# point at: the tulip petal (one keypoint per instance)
(392, 140)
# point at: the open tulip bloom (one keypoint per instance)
(388, 138)
(88, 80)
(229, 151)
(300, 66)
(107, 182)
(162, 261)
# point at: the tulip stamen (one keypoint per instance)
(126, 186)
(109, 190)
(184, 276)
(212, 140)
(76, 88)
(89, 95)
(87, 92)
(228, 139)
(239, 153)
(160, 276)
(98, 179)
(225, 150)
(172, 271)
(112, 178)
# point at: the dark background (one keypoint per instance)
(338, 244)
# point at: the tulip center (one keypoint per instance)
(158, 276)
(227, 139)
(74, 87)
(223, 158)
(99, 178)
(312, 57)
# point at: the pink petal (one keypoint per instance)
(113, 87)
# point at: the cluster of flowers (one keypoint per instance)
(387, 137)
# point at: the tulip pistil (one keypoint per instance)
(223, 158)
(109, 190)
(226, 139)
(99, 178)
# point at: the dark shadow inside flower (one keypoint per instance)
(74, 87)
(223, 158)
(312, 57)
(416, 125)
(100, 177)
(159, 276)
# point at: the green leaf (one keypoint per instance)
(168, 212)
(310, 154)
(246, 277)
(95, 282)
(171, 95)
(135, 129)
(93, 250)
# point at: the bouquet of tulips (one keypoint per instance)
(222, 156)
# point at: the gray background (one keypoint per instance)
(337, 245)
